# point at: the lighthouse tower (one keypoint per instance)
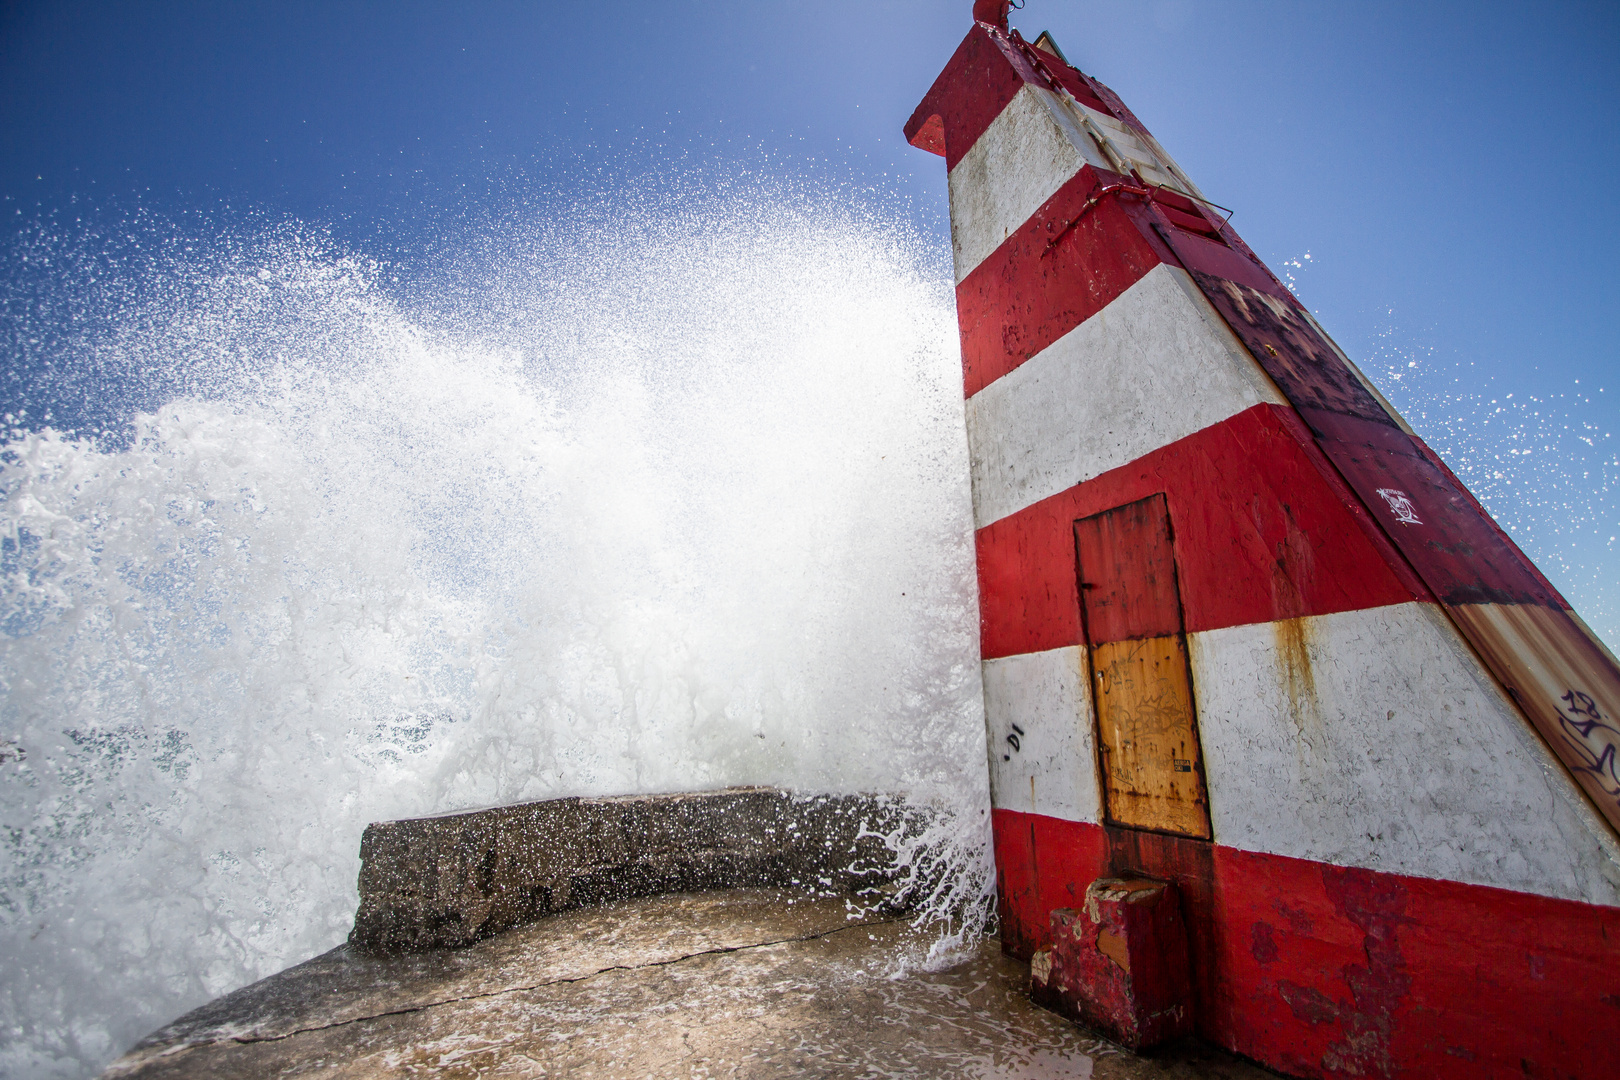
(1245, 634)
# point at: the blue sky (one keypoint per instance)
(1438, 161)
(1443, 164)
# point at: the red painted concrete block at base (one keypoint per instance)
(1120, 964)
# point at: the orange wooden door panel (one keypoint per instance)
(1147, 725)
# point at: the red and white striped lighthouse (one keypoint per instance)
(1245, 633)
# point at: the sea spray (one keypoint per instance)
(1543, 460)
(649, 497)
(1540, 455)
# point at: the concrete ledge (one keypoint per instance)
(746, 983)
(448, 881)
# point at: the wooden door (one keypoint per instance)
(1147, 726)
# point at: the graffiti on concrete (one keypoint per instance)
(1012, 741)
(1400, 504)
(1596, 741)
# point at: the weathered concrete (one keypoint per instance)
(1042, 761)
(741, 983)
(451, 880)
(1408, 742)
(1120, 964)
(1316, 752)
(1014, 167)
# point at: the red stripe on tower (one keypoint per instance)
(1243, 631)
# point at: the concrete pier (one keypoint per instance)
(734, 983)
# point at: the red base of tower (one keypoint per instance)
(1336, 971)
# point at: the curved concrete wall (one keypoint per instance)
(448, 881)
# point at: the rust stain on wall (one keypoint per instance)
(1298, 678)
(1304, 366)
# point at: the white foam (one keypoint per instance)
(680, 503)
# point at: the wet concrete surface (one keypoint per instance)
(734, 983)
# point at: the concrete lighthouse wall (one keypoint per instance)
(1241, 630)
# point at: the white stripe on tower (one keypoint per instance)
(1323, 743)
(1025, 155)
(1154, 366)
(1042, 761)
(1374, 738)
(1037, 143)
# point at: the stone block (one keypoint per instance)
(1120, 965)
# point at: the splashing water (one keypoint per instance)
(1546, 463)
(653, 498)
